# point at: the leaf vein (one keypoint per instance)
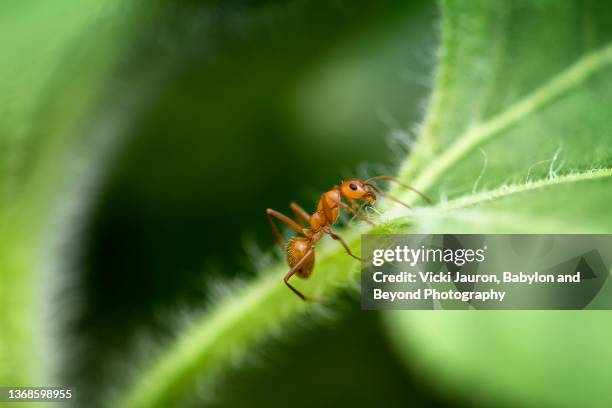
(573, 76)
(475, 199)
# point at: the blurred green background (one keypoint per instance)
(140, 145)
(248, 106)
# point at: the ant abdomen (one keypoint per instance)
(296, 249)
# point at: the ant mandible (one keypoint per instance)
(301, 250)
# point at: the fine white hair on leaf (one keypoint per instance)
(62, 251)
(482, 171)
(399, 141)
(258, 258)
(552, 169)
(538, 163)
(442, 197)
(387, 118)
(418, 78)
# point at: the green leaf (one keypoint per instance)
(50, 79)
(517, 140)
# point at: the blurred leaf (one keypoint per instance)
(518, 136)
(57, 58)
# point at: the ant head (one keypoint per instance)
(358, 190)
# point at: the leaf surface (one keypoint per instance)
(51, 79)
(517, 140)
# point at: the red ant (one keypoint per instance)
(301, 250)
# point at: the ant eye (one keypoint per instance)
(353, 187)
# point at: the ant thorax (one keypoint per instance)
(327, 209)
(313, 236)
(318, 220)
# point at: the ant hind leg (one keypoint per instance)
(292, 272)
(285, 220)
(300, 213)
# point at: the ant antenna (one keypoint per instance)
(382, 193)
(406, 186)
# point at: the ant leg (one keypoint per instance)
(395, 180)
(293, 270)
(328, 229)
(299, 212)
(353, 203)
(355, 213)
(284, 219)
(339, 238)
(359, 208)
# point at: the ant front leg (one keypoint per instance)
(355, 213)
(327, 229)
(284, 219)
(296, 268)
(356, 206)
(353, 203)
(339, 238)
